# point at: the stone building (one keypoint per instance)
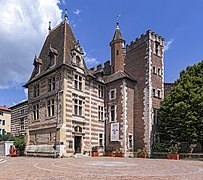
(19, 123)
(5, 120)
(74, 108)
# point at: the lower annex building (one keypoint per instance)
(76, 108)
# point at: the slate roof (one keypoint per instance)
(118, 75)
(60, 41)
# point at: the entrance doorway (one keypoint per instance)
(77, 144)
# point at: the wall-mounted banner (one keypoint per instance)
(115, 132)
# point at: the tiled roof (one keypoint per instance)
(3, 108)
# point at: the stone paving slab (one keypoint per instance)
(87, 168)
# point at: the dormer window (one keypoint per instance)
(52, 60)
(37, 63)
(78, 60)
(52, 56)
(37, 69)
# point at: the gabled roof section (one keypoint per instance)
(119, 75)
(60, 41)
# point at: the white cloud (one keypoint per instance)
(26, 92)
(90, 61)
(77, 12)
(23, 29)
(168, 44)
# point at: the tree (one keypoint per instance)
(19, 142)
(181, 112)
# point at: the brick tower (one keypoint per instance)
(144, 61)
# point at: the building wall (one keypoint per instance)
(140, 60)
(19, 122)
(124, 101)
(5, 120)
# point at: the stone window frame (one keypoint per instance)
(101, 139)
(156, 138)
(155, 116)
(51, 107)
(159, 71)
(51, 83)
(101, 113)
(110, 94)
(154, 70)
(36, 90)
(78, 82)
(37, 69)
(110, 113)
(157, 48)
(100, 91)
(22, 111)
(159, 93)
(22, 123)
(36, 111)
(130, 147)
(52, 59)
(78, 106)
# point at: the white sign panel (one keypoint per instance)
(115, 132)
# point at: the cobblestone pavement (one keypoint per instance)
(87, 168)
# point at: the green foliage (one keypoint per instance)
(109, 149)
(144, 150)
(181, 112)
(19, 142)
(160, 147)
(173, 149)
(6, 137)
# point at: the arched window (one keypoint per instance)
(78, 129)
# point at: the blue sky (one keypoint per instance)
(93, 23)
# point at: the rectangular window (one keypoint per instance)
(112, 111)
(1, 113)
(22, 111)
(51, 84)
(78, 82)
(3, 131)
(100, 139)
(36, 111)
(158, 93)
(112, 94)
(154, 92)
(22, 123)
(77, 107)
(100, 113)
(154, 70)
(157, 48)
(156, 119)
(36, 90)
(159, 72)
(156, 138)
(130, 141)
(101, 91)
(50, 106)
(3, 122)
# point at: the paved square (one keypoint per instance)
(98, 168)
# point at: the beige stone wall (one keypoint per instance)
(7, 117)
